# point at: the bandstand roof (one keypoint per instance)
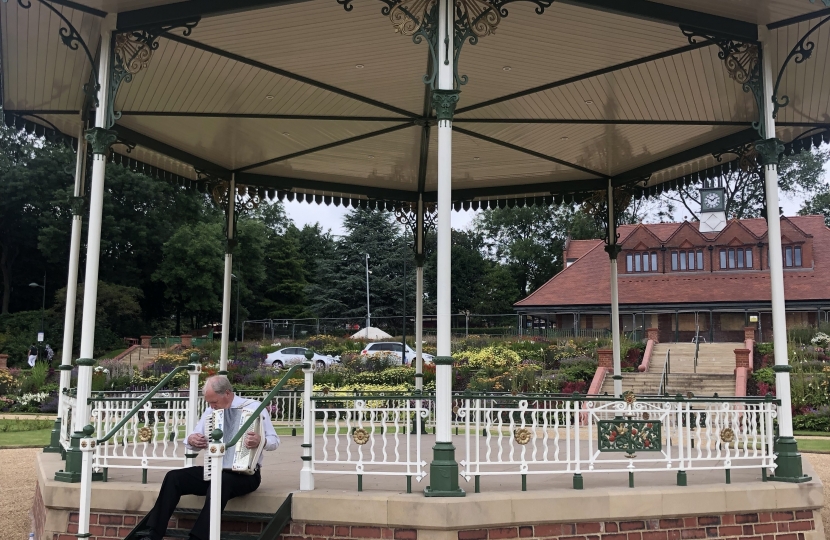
(303, 97)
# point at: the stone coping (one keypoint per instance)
(399, 509)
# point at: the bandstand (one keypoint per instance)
(419, 107)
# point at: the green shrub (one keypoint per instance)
(764, 375)
(35, 378)
(817, 421)
(495, 356)
(581, 369)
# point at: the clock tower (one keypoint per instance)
(712, 209)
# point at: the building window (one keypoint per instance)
(792, 256)
(641, 262)
(735, 258)
(686, 260)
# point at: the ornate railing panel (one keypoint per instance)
(71, 403)
(581, 434)
(377, 434)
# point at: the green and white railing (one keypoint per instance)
(548, 434)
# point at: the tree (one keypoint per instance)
(530, 240)
(818, 205)
(283, 296)
(315, 245)
(799, 174)
(340, 288)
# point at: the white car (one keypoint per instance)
(295, 355)
(393, 348)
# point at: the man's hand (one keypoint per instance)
(252, 440)
(197, 440)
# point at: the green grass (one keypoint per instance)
(812, 433)
(814, 445)
(111, 354)
(38, 437)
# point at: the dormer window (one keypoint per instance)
(735, 258)
(641, 262)
(792, 256)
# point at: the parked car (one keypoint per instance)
(295, 355)
(394, 349)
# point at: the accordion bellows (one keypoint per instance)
(244, 459)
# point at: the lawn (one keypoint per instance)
(814, 445)
(812, 433)
(39, 437)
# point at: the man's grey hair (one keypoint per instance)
(219, 384)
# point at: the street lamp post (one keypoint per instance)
(236, 324)
(368, 313)
(42, 304)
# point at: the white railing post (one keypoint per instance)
(192, 417)
(307, 472)
(87, 446)
(216, 451)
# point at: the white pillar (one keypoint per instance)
(193, 372)
(216, 451)
(93, 245)
(419, 296)
(615, 297)
(307, 472)
(226, 291)
(72, 278)
(444, 469)
(87, 446)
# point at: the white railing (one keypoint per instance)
(549, 435)
(286, 408)
(70, 404)
(376, 434)
(664, 378)
(152, 439)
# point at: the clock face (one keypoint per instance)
(712, 200)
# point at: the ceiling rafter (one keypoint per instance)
(529, 152)
(326, 146)
(800, 18)
(583, 121)
(288, 75)
(255, 116)
(584, 76)
(157, 15)
(653, 11)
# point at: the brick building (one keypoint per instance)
(675, 278)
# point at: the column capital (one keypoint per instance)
(613, 250)
(444, 102)
(100, 139)
(769, 151)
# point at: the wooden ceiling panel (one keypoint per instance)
(754, 11)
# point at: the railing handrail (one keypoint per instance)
(137, 407)
(258, 411)
(697, 345)
(664, 378)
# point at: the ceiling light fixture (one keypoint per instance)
(506, 68)
(286, 133)
(371, 156)
(476, 158)
(563, 138)
(269, 97)
(359, 66)
(589, 102)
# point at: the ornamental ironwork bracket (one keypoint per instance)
(800, 52)
(245, 200)
(597, 207)
(100, 139)
(747, 157)
(407, 215)
(133, 52)
(471, 20)
(743, 63)
(72, 39)
(77, 205)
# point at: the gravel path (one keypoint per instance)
(17, 489)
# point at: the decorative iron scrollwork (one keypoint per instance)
(100, 139)
(72, 39)
(743, 63)
(597, 207)
(244, 200)
(133, 52)
(471, 20)
(747, 156)
(407, 215)
(800, 52)
(629, 436)
(769, 151)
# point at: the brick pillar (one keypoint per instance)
(145, 342)
(742, 358)
(653, 334)
(606, 358)
(187, 341)
(4, 361)
(749, 333)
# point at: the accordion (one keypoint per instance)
(244, 459)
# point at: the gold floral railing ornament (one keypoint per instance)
(360, 436)
(145, 434)
(727, 435)
(522, 436)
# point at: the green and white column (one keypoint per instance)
(443, 471)
(613, 249)
(100, 138)
(226, 289)
(77, 207)
(788, 459)
(419, 296)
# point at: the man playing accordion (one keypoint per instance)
(219, 395)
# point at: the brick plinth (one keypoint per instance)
(742, 358)
(653, 334)
(749, 333)
(145, 341)
(787, 525)
(606, 358)
(187, 341)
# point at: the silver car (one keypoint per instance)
(393, 349)
(295, 355)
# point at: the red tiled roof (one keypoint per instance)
(587, 281)
(578, 248)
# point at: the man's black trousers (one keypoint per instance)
(189, 481)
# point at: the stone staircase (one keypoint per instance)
(715, 371)
(141, 357)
